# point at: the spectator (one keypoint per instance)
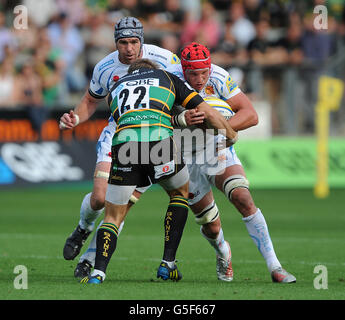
(149, 13)
(7, 40)
(171, 42)
(230, 52)
(291, 45)
(317, 46)
(171, 17)
(253, 9)
(40, 12)
(97, 35)
(206, 30)
(7, 83)
(242, 28)
(66, 37)
(75, 9)
(28, 94)
(261, 49)
(130, 8)
(192, 8)
(49, 66)
(26, 41)
(262, 76)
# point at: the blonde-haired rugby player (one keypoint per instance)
(209, 79)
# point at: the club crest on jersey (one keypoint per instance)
(209, 90)
(175, 59)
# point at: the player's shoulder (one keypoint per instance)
(162, 56)
(108, 61)
(218, 73)
(176, 69)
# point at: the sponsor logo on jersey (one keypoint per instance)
(175, 59)
(231, 85)
(164, 169)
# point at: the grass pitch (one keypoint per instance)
(306, 232)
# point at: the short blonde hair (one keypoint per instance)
(142, 63)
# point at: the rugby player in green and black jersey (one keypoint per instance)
(144, 152)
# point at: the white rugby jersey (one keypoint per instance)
(220, 85)
(110, 67)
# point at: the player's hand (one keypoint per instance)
(194, 117)
(68, 120)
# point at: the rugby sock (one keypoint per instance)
(174, 222)
(106, 244)
(258, 231)
(88, 216)
(90, 253)
(218, 244)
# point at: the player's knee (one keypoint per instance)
(234, 183)
(212, 229)
(208, 215)
(179, 192)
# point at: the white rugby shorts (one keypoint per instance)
(202, 176)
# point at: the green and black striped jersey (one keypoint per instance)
(141, 103)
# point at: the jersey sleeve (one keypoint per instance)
(185, 95)
(96, 89)
(230, 88)
(163, 57)
(225, 85)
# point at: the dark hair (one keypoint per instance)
(142, 63)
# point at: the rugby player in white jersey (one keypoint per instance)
(211, 80)
(129, 39)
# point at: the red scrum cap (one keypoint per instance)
(195, 56)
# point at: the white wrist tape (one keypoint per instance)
(181, 120)
(76, 120)
(62, 125)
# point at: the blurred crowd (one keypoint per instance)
(270, 47)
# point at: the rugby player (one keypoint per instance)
(211, 80)
(129, 39)
(144, 152)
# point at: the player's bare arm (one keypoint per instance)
(245, 114)
(82, 112)
(215, 120)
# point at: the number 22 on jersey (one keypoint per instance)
(133, 95)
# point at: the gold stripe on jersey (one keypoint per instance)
(190, 96)
(143, 110)
(162, 102)
(144, 125)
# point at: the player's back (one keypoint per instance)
(141, 99)
(145, 98)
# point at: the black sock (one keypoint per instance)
(106, 245)
(174, 222)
